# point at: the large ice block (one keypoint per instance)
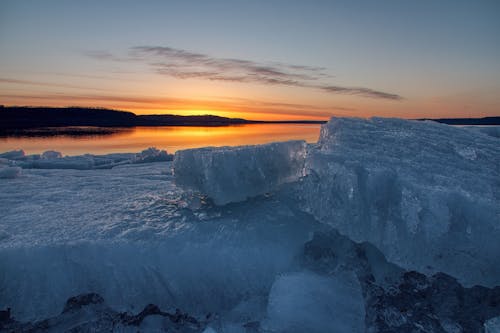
(232, 174)
(426, 194)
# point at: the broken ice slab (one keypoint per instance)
(233, 174)
(426, 194)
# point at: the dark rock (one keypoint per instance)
(89, 313)
(5, 315)
(403, 301)
(77, 302)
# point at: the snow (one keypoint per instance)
(426, 194)
(233, 174)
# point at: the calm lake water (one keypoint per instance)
(168, 138)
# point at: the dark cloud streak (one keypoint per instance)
(360, 91)
(46, 84)
(182, 64)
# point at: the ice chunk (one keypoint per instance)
(426, 194)
(51, 154)
(13, 154)
(232, 174)
(307, 302)
(152, 155)
(492, 325)
(493, 131)
(54, 160)
(10, 172)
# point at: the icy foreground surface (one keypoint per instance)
(55, 160)
(426, 194)
(127, 234)
(233, 174)
(493, 131)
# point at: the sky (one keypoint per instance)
(255, 59)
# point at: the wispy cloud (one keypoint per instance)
(360, 91)
(45, 84)
(182, 64)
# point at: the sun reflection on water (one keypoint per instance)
(169, 138)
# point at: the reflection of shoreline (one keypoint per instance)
(70, 131)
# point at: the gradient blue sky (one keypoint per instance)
(362, 58)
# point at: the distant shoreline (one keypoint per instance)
(18, 120)
(22, 118)
(486, 121)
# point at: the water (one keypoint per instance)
(104, 141)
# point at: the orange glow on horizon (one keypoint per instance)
(270, 110)
(232, 114)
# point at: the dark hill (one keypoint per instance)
(468, 121)
(174, 120)
(30, 117)
(15, 117)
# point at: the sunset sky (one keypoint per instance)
(255, 59)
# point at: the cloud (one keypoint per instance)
(182, 64)
(46, 84)
(361, 91)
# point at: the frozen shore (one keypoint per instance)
(340, 236)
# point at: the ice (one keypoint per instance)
(426, 194)
(125, 233)
(492, 325)
(13, 154)
(493, 131)
(9, 172)
(419, 194)
(308, 302)
(152, 155)
(55, 160)
(51, 154)
(233, 174)
(209, 330)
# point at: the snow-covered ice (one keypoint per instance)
(232, 174)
